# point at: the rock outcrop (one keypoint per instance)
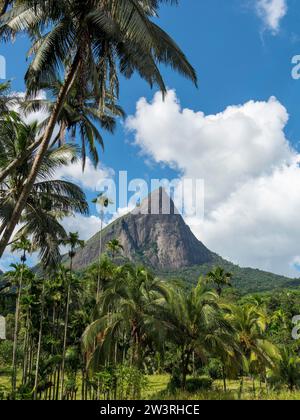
(154, 234)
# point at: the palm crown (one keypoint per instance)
(49, 200)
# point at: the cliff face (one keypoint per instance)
(159, 241)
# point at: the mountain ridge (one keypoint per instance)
(167, 246)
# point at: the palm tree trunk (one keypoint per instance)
(224, 378)
(66, 334)
(39, 346)
(57, 384)
(14, 362)
(253, 386)
(82, 383)
(241, 390)
(26, 346)
(100, 254)
(185, 365)
(21, 203)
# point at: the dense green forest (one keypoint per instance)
(112, 331)
(245, 280)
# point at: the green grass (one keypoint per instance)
(157, 389)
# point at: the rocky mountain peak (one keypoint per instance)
(154, 235)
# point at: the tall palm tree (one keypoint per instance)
(250, 324)
(129, 306)
(220, 278)
(114, 246)
(73, 242)
(193, 321)
(103, 202)
(80, 114)
(50, 199)
(90, 43)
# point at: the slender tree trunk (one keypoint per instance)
(14, 361)
(253, 386)
(26, 346)
(185, 366)
(29, 369)
(224, 378)
(57, 385)
(82, 383)
(21, 203)
(66, 333)
(100, 254)
(36, 379)
(241, 391)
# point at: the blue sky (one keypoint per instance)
(242, 51)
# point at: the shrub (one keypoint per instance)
(193, 385)
(119, 383)
(203, 383)
(214, 369)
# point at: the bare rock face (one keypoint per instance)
(154, 235)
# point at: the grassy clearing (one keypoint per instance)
(157, 389)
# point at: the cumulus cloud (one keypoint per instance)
(84, 225)
(251, 173)
(271, 12)
(89, 179)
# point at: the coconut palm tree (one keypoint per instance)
(286, 371)
(250, 324)
(50, 200)
(114, 246)
(129, 307)
(220, 278)
(91, 44)
(193, 321)
(73, 242)
(7, 99)
(80, 114)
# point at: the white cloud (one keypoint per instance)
(251, 173)
(84, 225)
(88, 226)
(271, 12)
(89, 179)
(39, 116)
